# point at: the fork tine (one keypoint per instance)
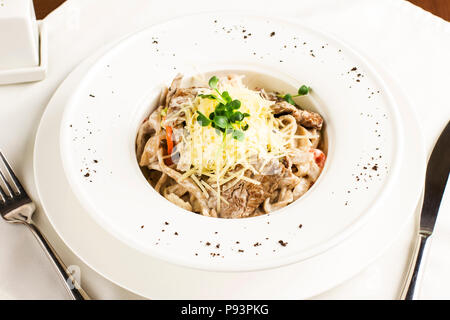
(3, 195)
(12, 175)
(2, 192)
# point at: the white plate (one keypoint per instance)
(364, 128)
(156, 279)
(153, 278)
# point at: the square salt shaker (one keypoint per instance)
(19, 35)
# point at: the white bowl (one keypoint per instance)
(100, 124)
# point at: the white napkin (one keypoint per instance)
(411, 43)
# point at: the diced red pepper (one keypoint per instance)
(319, 157)
(169, 144)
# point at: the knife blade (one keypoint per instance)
(435, 181)
(436, 178)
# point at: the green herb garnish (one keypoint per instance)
(202, 119)
(225, 119)
(303, 90)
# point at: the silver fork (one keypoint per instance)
(17, 207)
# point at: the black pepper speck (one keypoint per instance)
(282, 243)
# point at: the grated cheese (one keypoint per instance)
(214, 192)
(263, 139)
(194, 178)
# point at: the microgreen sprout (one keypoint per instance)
(225, 118)
(303, 90)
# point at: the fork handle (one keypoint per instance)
(73, 288)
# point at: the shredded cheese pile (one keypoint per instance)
(211, 157)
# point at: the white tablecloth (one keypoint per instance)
(411, 44)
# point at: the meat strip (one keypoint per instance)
(305, 118)
(245, 197)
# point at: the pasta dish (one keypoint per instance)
(225, 150)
